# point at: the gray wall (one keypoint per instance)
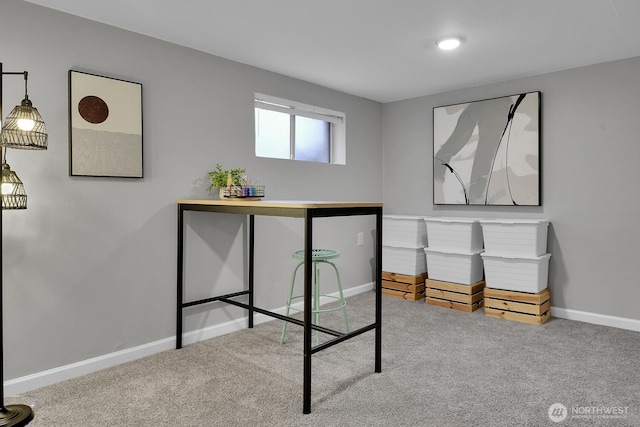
(89, 267)
(590, 174)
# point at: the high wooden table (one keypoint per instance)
(308, 210)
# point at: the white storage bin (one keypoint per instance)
(516, 273)
(409, 261)
(404, 231)
(515, 237)
(463, 235)
(454, 267)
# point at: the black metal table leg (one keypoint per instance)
(378, 320)
(180, 284)
(308, 245)
(251, 271)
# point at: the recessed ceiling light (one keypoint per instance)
(449, 43)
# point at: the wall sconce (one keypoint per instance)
(24, 129)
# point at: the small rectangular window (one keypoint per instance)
(291, 130)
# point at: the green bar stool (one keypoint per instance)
(318, 257)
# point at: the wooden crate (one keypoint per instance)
(519, 306)
(467, 298)
(395, 277)
(403, 286)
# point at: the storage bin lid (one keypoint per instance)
(402, 217)
(451, 219)
(537, 258)
(447, 251)
(515, 221)
(386, 247)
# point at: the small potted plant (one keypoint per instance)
(219, 178)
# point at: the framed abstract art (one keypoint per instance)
(105, 126)
(488, 152)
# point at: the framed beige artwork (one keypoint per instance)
(105, 126)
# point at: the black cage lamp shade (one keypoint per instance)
(13, 194)
(24, 127)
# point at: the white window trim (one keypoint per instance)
(336, 118)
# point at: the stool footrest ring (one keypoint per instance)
(321, 310)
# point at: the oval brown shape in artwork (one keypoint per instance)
(93, 109)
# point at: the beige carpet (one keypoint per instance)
(440, 367)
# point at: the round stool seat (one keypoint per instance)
(318, 254)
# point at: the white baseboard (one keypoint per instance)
(596, 319)
(51, 376)
(73, 370)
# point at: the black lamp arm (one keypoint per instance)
(18, 73)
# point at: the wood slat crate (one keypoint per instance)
(395, 277)
(467, 298)
(404, 295)
(403, 286)
(519, 306)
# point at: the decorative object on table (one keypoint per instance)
(220, 178)
(105, 126)
(245, 191)
(233, 183)
(23, 128)
(488, 152)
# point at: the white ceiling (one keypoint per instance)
(385, 50)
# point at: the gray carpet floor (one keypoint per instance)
(440, 367)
